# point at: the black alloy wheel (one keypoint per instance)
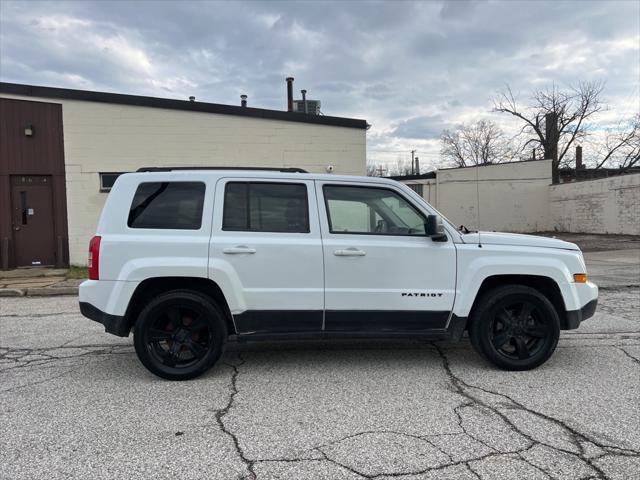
(519, 331)
(515, 327)
(179, 335)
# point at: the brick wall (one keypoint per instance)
(609, 205)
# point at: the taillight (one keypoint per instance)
(94, 258)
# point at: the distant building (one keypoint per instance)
(61, 150)
(520, 197)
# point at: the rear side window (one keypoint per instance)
(266, 207)
(167, 205)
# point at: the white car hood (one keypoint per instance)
(496, 238)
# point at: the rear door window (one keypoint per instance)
(266, 207)
(167, 205)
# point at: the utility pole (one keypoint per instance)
(381, 170)
(413, 165)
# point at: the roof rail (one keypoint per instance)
(271, 169)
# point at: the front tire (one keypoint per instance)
(180, 334)
(515, 327)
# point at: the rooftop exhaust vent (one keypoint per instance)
(312, 107)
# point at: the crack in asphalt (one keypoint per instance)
(473, 472)
(577, 438)
(16, 357)
(466, 390)
(634, 359)
(222, 412)
(534, 466)
(458, 415)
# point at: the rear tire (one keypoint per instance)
(515, 327)
(180, 334)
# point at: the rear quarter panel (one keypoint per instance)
(135, 254)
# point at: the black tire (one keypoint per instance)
(180, 334)
(515, 327)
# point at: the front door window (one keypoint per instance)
(370, 210)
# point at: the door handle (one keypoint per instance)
(238, 249)
(349, 252)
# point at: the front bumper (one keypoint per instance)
(575, 317)
(113, 324)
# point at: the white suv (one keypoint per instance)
(187, 258)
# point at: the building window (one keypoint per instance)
(167, 205)
(416, 187)
(107, 180)
(266, 207)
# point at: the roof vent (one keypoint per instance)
(312, 107)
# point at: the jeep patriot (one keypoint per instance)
(188, 258)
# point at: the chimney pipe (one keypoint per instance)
(417, 166)
(304, 100)
(192, 98)
(243, 100)
(289, 94)
(578, 158)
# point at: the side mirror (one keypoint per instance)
(434, 229)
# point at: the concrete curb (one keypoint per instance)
(38, 292)
(11, 292)
(51, 291)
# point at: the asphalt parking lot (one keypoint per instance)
(76, 403)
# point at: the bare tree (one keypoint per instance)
(554, 118)
(373, 170)
(474, 144)
(401, 168)
(622, 146)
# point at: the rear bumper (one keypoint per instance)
(113, 324)
(575, 317)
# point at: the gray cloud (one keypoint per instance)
(409, 68)
(423, 127)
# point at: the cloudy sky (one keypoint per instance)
(409, 69)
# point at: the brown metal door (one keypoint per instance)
(32, 220)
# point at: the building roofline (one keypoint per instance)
(497, 164)
(422, 176)
(172, 104)
(432, 173)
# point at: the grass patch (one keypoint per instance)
(77, 272)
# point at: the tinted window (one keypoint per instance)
(266, 207)
(167, 205)
(370, 210)
(107, 180)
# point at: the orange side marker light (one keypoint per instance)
(580, 277)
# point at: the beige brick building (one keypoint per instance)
(70, 143)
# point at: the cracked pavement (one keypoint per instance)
(76, 403)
